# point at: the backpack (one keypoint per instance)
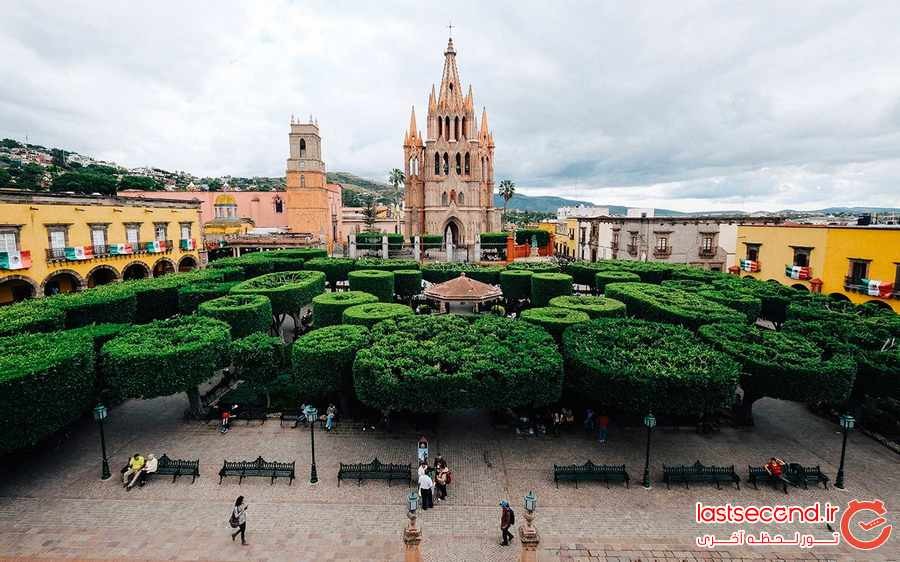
(512, 517)
(449, 477)
(234, 521)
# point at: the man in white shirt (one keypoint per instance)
(426, 484)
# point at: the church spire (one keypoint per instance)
(450, 95)
(484, 122)
(412, 122)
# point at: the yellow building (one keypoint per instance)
(856, 263)
(61, 243)
(566, 239)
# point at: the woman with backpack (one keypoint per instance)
(238, 519)
(507, 520)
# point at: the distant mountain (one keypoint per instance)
(538, 203)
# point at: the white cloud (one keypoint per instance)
(687, 105)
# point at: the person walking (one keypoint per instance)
(330, 414)
(441, 480)
(603, 428)
(507, 520)
(239, 519)
(426, 484)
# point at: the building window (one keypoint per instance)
(9, 240)
(444, 199)
(615, 238)
(706, 243)
(460, 199)
(302, 148)
(634, 239)
(279, 204)
(859, 270)
(437, 164)
(185, 230)
(458, 164)
(440, 128)
(59, 237)
(662, 243)
(160, 230)
(753, 252)
(446, 164)
(302, 180)
(801, 256)
(133, 232)
(468, 161)
(98, 238)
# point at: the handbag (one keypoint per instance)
(234, 521)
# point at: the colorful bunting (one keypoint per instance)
(188, 244)
(78, 253)
(15, 259)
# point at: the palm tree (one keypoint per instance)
(506, 190)
(396, 179)
(370, 214)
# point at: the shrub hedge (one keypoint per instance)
(46, 382)
(253, 264)
(108, 303)
(32, 315)
(373, 240)
(335, 269)
(298, 253)
(190, 296)
(328, 308)
(259, 358)
(322, 360)
(244, 313)
(535, 266)
(604, 278)
(370, 314)
(742, 301)
(430, 241)
(554, 320)
(390, 264)
(407, 282)
(667, 304)
(595, 307)
(692, 285)
(783, 365)
(165, 356)
(545, 286)
(525, 235)
(515, 284)
(157, 298)
(435, 363)
(639, 366)
(374, 282)
(493, 240)
(289, 291)
(443, 271)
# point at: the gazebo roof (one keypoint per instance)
(463, 289)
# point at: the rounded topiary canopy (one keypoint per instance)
(335, 269)
(370, 314)
(390, 264)
(328, 308)
(46, 382)
(190, 296)
(639, 366)
(298, 253)
(166, 356)
(32, 315)
(516, 284)
(407, 282)
(594, 306)
(322, 360)
(545, 286)
(742, 301)
(107, 303)
(289, 291)
(603, 278)
(252, 265)
(668, 304)
(436, 363)
(534, 266)
(244, 314)
(554, 320)
(373, 281)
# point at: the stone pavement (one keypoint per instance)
(57, 508)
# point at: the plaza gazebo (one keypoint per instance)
(463, 291)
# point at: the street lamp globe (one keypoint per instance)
(650, 421)
(311, 413)
(412, 501)
(100, 412)
(847, 422)
(530, 502)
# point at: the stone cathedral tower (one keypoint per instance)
(307, 194)
(450, 172)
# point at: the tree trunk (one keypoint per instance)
(743, 412)
(193, 394)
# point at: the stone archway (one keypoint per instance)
(62, 281)
(187, 263)
(102, 275)
(800, 287)
(879, 304)
(452, 231)
(839, 297)
(15, 288)
(163, 266)
(135, 270)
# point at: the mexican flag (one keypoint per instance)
(875, 288)
(188, 244)
(76, 253)
(120, 249)
(797, 272)
(156, 246)
(15, 259)
(750, 265)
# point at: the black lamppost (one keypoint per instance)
(100, 414)
(650, 423)
(312, 415)
(847, 423)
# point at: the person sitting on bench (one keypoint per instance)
(134, 466)
(150, 466)
(775, 467)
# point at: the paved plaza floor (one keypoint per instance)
(53, 505)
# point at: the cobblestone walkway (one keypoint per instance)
(57, 508)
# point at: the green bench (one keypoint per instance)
(375, 470)
(699, 472)
(259, 468)
(177, 467)
(794, 474)
(590, 471)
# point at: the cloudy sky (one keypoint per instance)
(684, 105)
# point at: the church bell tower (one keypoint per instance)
(307, 195)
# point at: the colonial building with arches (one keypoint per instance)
(53, 244)
(450, 171)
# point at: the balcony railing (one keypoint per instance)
(707, 252)
(662, 252)
(96, 251)
(858, 285)
(632, 250)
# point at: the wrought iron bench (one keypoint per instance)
(375, 470)
(260, 467)
(248, 413)
(590, 471)
(698, 472)
(177, 467)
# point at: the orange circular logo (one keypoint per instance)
(848, 530)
